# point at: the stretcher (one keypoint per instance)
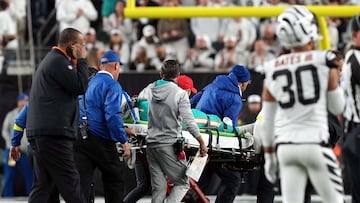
(233, 151)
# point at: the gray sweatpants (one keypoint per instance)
(163, 165)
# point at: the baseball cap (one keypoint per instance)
(186, 83)
(241, 72)
(230, 38)
(22, 96)
(109, 57)
(115, 32)
(148, 31)
(91, 31)
(254, 98)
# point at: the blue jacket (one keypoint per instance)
(19, 125)
(103, 112)
(222, 97)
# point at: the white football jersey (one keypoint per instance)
(299, 83)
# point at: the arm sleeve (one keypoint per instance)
(336, 101)
(265, 124)
(76, 79)
(145, 94)
(62, 13)
(187, 116)
(19, 125)
(232, 111)
(90, 11)
(112, 112)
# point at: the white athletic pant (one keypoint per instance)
(298, 162)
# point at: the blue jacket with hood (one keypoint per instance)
(222, 97)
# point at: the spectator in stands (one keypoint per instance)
(267, 34)
(161, 55)
(146, 44)
(39, 12)
(8, 34)
(259, 55)
(229, 56)
(173, 32)
(251, 109)
(107, 8)
(243, 29)
(11, 166)
(118, 21)
(76, 14)
(202, 56)
(142, 22)
(91, 41)
(141, 62)
(118, 45)
(219, 3)
(17, 10)
(333, 33)
(200, 26)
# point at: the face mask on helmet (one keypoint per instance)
(296, 26)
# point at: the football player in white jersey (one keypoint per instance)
(300, 87)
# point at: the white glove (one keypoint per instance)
(271, 167)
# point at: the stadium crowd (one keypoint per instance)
(143, 43)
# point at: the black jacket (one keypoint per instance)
(53, 104)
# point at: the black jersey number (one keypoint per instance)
(299, 81)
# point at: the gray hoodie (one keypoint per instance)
(169, 106)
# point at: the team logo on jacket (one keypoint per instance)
(70, 67)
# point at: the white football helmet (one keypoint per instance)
(296, 26)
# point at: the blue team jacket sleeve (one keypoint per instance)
(233, 110)
(19, 125)
(113, 114)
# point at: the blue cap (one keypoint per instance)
(109, 57)
(241, 72)
(22, 96)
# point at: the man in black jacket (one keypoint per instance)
(53, 117)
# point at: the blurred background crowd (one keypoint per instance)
(200, 44)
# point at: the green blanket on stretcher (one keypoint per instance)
(202, 119)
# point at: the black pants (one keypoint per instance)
(54, 194)
(143, 184)
(352, 168)
(54, 164)
(95, 152)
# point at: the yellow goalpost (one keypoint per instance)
(131, 11)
